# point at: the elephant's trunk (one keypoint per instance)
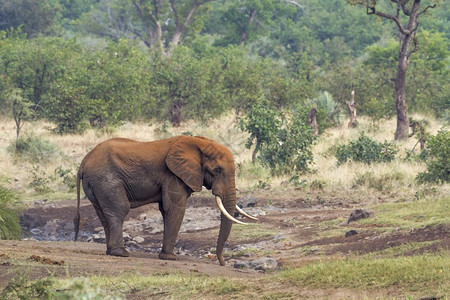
(229, 202)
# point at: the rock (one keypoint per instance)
(350, 233)
(36, 231)
(239, 264)
(142, 217)
(248, 201)
(263, 264)
(359, 214)
(139, 239)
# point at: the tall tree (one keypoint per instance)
(158, 23)
(411, 10)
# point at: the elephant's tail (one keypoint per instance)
(76, 220)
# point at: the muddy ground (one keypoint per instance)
(287, 234)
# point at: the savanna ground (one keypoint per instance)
(401, 251)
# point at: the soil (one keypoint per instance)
(292, 239)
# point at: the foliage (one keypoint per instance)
(21, 109)
(68, 176)
(438, 166)
(22, 288)
(284, 143)
(9, 214)
(34, 17)
(365, 150)
(35, 149)
(383, 183)
(329, 113)
(187, 87)
(40, 181)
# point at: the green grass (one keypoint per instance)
(424, 273)
(412, 214)
(429, 211)
(172, 286)
(251, 231)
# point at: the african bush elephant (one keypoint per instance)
(119, 174)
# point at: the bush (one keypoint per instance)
(21, 287)
(35, 149)
(438, 153)
(329, 113)
(9, 216)
(365, 150)
(284, 143)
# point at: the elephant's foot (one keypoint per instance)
(121, 251)
(167, 256)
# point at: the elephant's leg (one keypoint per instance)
(172, 209)
(91, 196)
(105, 225)
(115, 206)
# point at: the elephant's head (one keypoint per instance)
(199, 161)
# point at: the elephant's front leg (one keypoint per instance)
(172, 207)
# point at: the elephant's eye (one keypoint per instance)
(217, 170)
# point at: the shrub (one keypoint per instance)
(9, 216)
(365, 150)
(284, 143)
(438, 166)
(21, 287)
(41, 181)
(35, 149)
(382, 183)
(329, 113)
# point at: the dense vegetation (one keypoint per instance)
(95, 63)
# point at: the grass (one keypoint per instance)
(388, 189)
(406, 215)
(164, 285)
(425, 273)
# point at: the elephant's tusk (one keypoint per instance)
(244, 213)
(225, 213)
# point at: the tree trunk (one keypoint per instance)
(402, 131)
(176, 111)
(352, 111)
(407, 35)
(312, 120)
(251, 18)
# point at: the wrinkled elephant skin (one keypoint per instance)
(120, 174)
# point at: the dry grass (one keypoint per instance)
(397, 177)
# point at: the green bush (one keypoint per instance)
(34, 149)
(438, 153)
(283, 141)
(329, 113)
(21, 287)
(9, 215)
(365, 150)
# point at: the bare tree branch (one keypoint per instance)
(426, 8)
(302, 7)
(373, 11)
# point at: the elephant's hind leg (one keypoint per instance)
(114, 206)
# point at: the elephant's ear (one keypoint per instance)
(184, 160)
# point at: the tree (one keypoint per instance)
(21, 108)
(157, 23)
(34, 17)
(411, 9)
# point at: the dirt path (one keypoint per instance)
(287, 234)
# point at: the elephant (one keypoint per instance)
(120, 174)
